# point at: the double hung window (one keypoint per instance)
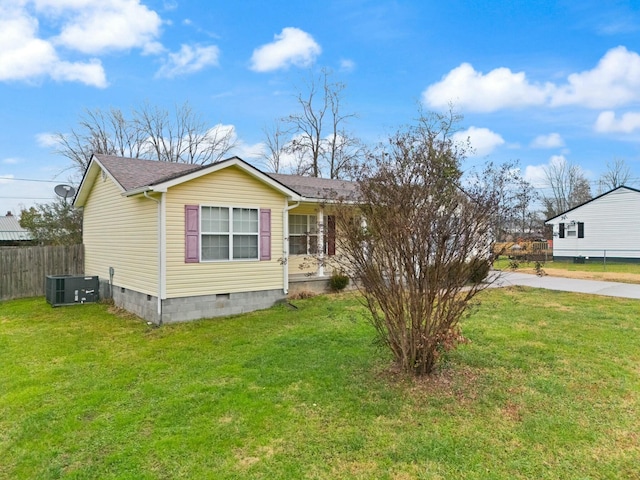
(303, 234)
(229, 233)
(571, 230)
(304, 231)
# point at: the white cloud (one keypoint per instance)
(95, 27)
(627, 123)
(483, 141)
(347, 65)
(189, 59)
(85, 26)
(10, 161)
(535, 174)
(613, 82)
(24, 56)
(552, 140)
(90, 73)
(471, 90)
(241, 149)
(248, 152)
(47, 139)
(291, 47)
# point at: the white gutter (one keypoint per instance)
(161, 251)
(285, 246)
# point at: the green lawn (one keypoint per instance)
(548, 387)
(503, 263)
(617, 272)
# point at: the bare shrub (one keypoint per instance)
(416, 238)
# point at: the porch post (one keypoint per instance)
(320, 221)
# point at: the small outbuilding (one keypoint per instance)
(11, 233)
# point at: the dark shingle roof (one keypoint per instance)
(133, 173)
(313, 187)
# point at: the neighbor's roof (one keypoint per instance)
(10, 230)
(635, 190)
(135, 176)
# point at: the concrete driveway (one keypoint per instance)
(596, 287)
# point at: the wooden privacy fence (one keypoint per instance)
(23, 269)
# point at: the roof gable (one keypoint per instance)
(163, 184)
(621, 187)
(134, 176)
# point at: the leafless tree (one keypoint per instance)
(568, 186)
(149, 132)
(318, 141)
(182, 137)
(525, 217)
(100, 131)
(617, 174)
(273, 153)
(421, 232)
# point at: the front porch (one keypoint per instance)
(302, 282)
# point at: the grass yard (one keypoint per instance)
(612, 272)
(548, 387)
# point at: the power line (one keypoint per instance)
(26, 198)
(29, 180)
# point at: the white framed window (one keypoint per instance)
(303, 234)
(229, 233)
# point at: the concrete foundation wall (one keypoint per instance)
(600, 260)
(317, 285)
(207, 306)
(140, 304)
(190, 308)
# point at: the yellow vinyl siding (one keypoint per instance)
(122, 233)
(230, 187)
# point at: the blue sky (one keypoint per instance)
(536, 81)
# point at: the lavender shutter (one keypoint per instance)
(192, 234)
(265, 234)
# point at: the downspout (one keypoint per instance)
(160, 252)
(285, 246)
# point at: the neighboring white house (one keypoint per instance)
(607, 226)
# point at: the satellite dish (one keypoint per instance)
(64, 191)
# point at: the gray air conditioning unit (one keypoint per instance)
(71, 289)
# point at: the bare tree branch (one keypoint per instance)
(568, 185)
(318, 141)
(618, 174)
(419, 240)
(150, 132)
